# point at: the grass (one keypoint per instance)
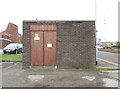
(114, 49)
(10, 57)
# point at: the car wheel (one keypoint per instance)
(18, 51)
(4, 52)
(21, 51)
(15, 52)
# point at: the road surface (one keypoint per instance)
(113, 57)
(111, 61)
(107, 59)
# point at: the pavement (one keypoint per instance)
(14, 76)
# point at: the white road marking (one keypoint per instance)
(12, 65)
(115, 68)
(109, 62)
(113, 71)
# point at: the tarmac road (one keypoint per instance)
(107, 59)
(110, 61)
(113, 57)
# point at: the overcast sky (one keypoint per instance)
(105, 14)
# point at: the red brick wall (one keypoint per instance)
(4, 43)
(5, 36)
(13, 30)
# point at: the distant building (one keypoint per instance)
(106, 44)
(10, 35)
(117, 43)
(12, 31)
(110, 44)
(19, 38)
(4, 39)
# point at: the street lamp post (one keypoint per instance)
(96, 31)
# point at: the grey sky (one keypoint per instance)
(16, 11)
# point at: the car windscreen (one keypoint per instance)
(10, 46)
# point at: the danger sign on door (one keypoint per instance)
(36, 37)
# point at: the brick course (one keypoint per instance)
(76, 45)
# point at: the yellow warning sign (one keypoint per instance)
(36, 37)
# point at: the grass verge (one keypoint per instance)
(10, 57)
(112, 50)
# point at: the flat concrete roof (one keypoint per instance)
(56, 21)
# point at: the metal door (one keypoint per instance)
(50, 48)
(37, 48)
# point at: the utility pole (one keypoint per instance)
(105, 26)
